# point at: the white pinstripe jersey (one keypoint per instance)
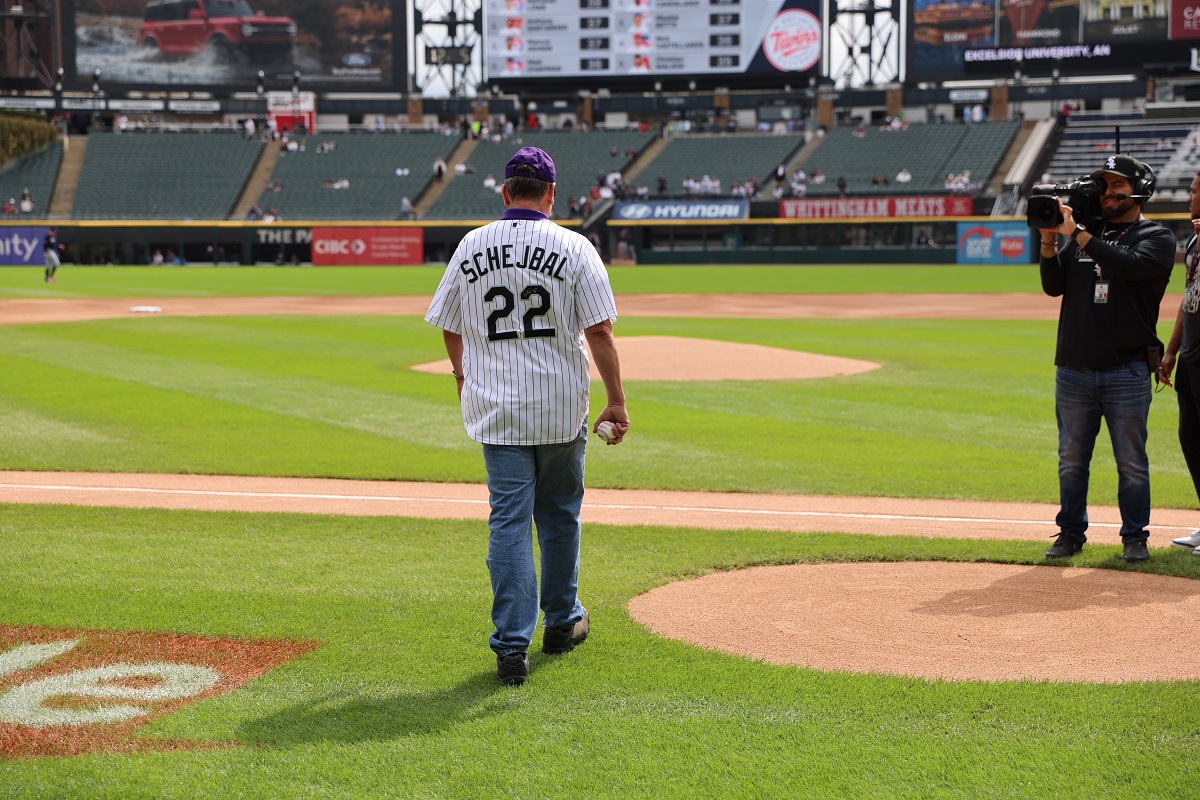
(521, 291)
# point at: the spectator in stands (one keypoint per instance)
(818, 177)
(614, 152)
(977, 115)
(643, 191)
(174, 260)
(157, 258)
(10, 207)
(660, 185)
(271, 215)
(879, 180)
(860, 131)
(903, 176)
(254, 214)
(439, 169)
(780, 172)
(26, 204)
(841, 185)
(341, 183)
(248, 128)
(630, 152)
(489, 182)
(406, 208)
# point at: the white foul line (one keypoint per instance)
(612, 506)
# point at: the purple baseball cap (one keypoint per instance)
(530, 162)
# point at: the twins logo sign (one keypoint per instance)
(793, 41)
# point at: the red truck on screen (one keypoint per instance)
(229, 30)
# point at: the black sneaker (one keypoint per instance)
(564, 638)
(512, 669)
(1064, 546)
(1135, 550)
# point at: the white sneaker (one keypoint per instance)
(1196, 552)
(1192, 540)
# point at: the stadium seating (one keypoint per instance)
(578, 159)
(929, 152)
(163, 175)
(35, 172)
(1161, 143)
(368, 161)
(732, 159)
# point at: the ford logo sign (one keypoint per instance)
(636, 211)
(356, 59)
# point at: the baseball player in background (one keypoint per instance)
(50, 248)
(517, 301)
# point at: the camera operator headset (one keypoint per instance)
(1111, 273)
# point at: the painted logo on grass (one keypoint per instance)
(66, 692)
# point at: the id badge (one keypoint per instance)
(1101, 295)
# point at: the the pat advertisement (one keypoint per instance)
(370, 247)
(994, 243)
(224, 43)
(21, 247)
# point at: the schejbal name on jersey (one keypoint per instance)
(535, 259)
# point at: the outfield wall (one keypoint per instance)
(913, 240)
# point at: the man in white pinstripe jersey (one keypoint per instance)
(517, 302)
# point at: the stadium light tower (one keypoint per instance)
(447, 40)
(27, 28)
(864, 42)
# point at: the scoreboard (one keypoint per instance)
(630, 38)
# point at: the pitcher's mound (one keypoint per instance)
(675, 358)
(940, 620)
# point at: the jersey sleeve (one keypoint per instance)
(445, 310)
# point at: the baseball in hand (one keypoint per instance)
(606, 431)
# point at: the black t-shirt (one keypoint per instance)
(1111, 292)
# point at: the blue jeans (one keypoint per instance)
(1122, 397)
(528, 484)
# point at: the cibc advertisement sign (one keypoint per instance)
(371, 247)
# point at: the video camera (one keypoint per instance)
(1082, 195)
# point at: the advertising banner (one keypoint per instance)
(22, 247)
(876, 207)
(682, 210)
(371, 247)
(994, 243)
(606, 38)
(992, 38)
(224, 43)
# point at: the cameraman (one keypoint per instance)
(1111, 274)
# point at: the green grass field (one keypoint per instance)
(400, 700)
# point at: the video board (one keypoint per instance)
(224, 43)
(627, 39)
(991, 38)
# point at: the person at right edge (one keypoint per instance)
(1183, 356)
(1111, 275)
